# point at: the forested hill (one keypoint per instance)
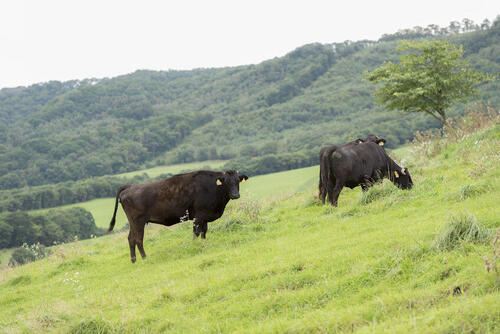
(310, 97)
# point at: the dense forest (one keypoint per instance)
(54, 226)
(56, 132)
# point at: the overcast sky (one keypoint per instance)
(70, 39)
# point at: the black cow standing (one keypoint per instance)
(200, 196)
(363, 164)
(324, 162)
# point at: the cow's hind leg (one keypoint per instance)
(136, 235)
(139, 235)
(336, 192)
(330, 183)
(131, 243)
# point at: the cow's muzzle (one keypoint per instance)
(234, 196)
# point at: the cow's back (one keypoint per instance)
(354, 162)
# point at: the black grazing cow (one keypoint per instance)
(363, 164)
(324, 162)
(200, 196)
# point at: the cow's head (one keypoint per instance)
(375, 139)
(402, 178)
(230, 180)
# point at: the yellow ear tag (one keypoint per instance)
(243, 180)
(218, 182)
(381, 143)
(360, 141)
(396, 174)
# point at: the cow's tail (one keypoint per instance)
(329, 176)
(113, 219)
(320, 185)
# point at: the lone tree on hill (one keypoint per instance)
(429, 78)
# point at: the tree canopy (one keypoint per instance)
(430, 78)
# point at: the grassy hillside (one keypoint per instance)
(382, 261)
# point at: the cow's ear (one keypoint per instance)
(243, 178)
(359, 141)
(381, 141)
(218, 182)
(396, 174)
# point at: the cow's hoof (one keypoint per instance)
(133, 260)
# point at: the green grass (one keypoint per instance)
(279, 262)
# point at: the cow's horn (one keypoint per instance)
(403, 171)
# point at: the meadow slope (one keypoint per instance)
(289, 264)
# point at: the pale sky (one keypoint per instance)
(73, 39)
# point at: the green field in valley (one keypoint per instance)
(175, 169)
(278, 261)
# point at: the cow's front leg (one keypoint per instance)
(204, 228)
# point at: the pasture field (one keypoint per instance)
(383, 261)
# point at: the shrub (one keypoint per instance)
(463, 227)
(28, 253)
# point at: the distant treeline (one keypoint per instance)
(55, 226)
(455, 27)
(49, 196)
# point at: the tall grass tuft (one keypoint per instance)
(94, 326)
(462, 228)
(471, 190)
(377, 191)
(243, 214)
